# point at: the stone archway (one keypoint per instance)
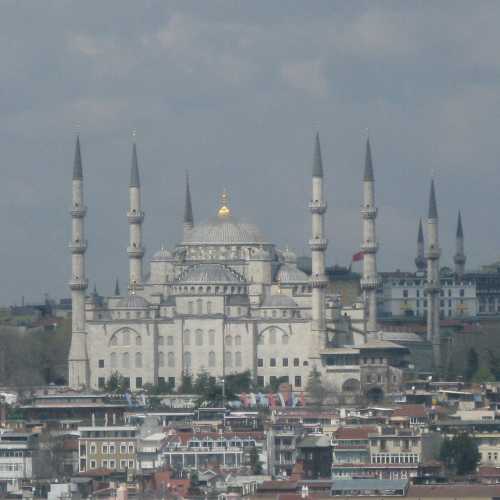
(351, 386)
(375, 394)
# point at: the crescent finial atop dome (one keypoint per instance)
(224, 210)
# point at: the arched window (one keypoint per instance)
(161, 359)
(211, 359)
(199, 306)
(138, 360)
(272, 336)
(237, 359)
(229, 340)
(190, 307)
(260, 340)
(229, 359)
(285, 339)
(187, 361)
(171, 360)
(274, 313)
(125, 360)
(209, 307)
(199, 337)
(114, 340)
(187, 337)
(211, 337)
(237, 340)
(113, 360)
(126, 338)
(138, 340)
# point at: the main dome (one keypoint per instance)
(224, 231)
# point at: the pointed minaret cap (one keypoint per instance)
(433, 213)
(117, 288)
(420, 238)
(134, 171)
(188, 207)
(77, 164)
(317, 162)
(368, 175)
(460, 231)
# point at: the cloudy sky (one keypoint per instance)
(233, 91)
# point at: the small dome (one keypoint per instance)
(289, 256)
(291, 274)
(133, 301)
(162, 254)
(210, 273)
(279, 300)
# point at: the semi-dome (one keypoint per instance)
(288, 273)
(279, 300)
(210, 273)
(133, 301)
(225, 231)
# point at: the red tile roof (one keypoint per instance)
(454, 491)
(354, 432)
(411, 410)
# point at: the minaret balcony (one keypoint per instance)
(319, 281)
(433, 254)
(78, 212)
(78, 246)
(370, 283)
(318, 244)
(317, 207)
(78, 284)
(369, 247)
(368, 212)
(135, 216)
(135, 251)
(459, 259)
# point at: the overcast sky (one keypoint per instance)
(234, 91)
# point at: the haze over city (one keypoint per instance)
(234, 92)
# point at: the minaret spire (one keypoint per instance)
(460, 257)
(370, 281)
(433, 285)
(135, 217)
(78, 361)
(318, 244)
(117, 288)
(188, 208)
(420, 261)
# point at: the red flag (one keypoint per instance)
(357, 256)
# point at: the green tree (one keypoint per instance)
(116, 383)
(315, 389)
(237, 383)
(255, 462)
(472, 364)
(186, 386)
(460, 454)
(482, 375)
(494, 364)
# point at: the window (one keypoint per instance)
(238, 311)
(274, 313)
(285, 362)
(462, 293)
(272, 362)
(161, 340)
(171, 381)
(211, 337)
(190, 307)
(209, 307)
(131, 448)
(229, 341)
(171, 360)
(126, 382)
(296, 362)
(101, 382)
(298, 381)
(114, 340)
(170, 340)
(138, 360)
(187, 361)
(126, 338)
(199, 306)
(284, 339)
(101, 363)
(138, 340)
(272, 336)
(112, 464)
(237, 340)
(161, 380)
(405, 294)
(111, 449)
(187, 337)
(93, 464)
(237, 359)
(260, 381)
(211, 359)
(229, 359)
(125, 360)
(138, 382)
(130, 464)
(105, 449)
(198, 337)
(260, 362)
(123, 464)
(161, 359)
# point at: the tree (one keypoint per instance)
(255, 462)
(116, 383)
(315, 388)
(237, 383)
(472, 364)
(186, 386)
(482, 375)
(494, 364)
(460, 454)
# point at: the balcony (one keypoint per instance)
(135, 216)
(368, 212)
(317, 207)
(78, 284)
(318, 244)
(78, 246)
(78, 212)
(135, 251)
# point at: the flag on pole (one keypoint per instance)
(358, 256)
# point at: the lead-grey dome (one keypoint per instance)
(210, 273)
(279, 300)
(224, 231)
(133, 301)
(162, 254)
(291, 274)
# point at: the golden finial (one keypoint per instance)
(224, 210)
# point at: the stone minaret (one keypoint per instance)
(135, 216)
(318, 244)
(188, 209)
(420, 261)
(78, 361)
(433, 285)
(370, 281)
(460, 257)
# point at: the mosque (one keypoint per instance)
(226, 300)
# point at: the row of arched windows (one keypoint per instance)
(229, 340)
(199, 337)
(199, 307)
(273, 337)
(124, 359)
(123, 338)
(229, 359)
(241, 290)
